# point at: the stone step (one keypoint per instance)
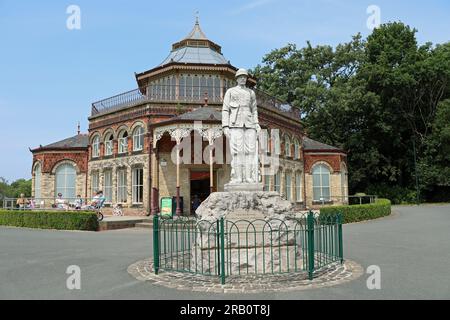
(145, 225)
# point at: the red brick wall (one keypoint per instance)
(334, 160)
(49, 159)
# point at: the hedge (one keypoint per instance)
(59, 220)
(355, 213)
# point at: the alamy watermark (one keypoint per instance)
(73, 21)
(373, 282)
(73, 282)
(374, 19)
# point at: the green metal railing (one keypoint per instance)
(226, 248)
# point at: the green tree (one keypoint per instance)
(435, 163)
(372, 97)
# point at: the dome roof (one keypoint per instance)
(195, 48)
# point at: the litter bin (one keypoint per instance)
(168, 206)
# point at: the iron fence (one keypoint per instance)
(226, 248)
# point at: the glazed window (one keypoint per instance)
(107, 184)
(37, 181)
(287, 147)
(137, 185)
(276, 182)
(122, 185)
(321, 183)
(138, 139)
(109, 145)
(94, 182)
(96, 147)
(65, 181)
(123, 142)
(287, 187)
(298, 187)
(296, 150)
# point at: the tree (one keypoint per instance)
(435, 163)
(373, 98)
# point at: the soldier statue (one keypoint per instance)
(240, 124)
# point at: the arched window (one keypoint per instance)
(138, 139)
(296, 149)
(109, 145)
(96, 147)
(123, 142)
(37, 181)
(321, 183)
(344, 183)
(287, 186)
(287, 147)
(65, 181)
(298, 186)
(275, 140)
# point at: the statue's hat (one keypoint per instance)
(241, 72)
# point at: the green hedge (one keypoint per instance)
(355, 213)
(59, 220)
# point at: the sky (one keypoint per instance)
(50, 75)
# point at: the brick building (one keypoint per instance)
(131, 150)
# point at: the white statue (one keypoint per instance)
(240, 123)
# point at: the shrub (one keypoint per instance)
(59, 220)
(355, 213)
(396, 194)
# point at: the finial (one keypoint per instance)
(78, 128)
(196, 17)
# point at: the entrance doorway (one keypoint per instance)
(200, 188)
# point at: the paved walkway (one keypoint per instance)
(412, 248)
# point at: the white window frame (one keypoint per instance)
(288, 185)
(108, 185)
(277, 182)
(287, 146)
(68, 192)
(298, 186)
(296, 149)
(137, 189)
(321, 170)
(123, 143)
(109, 146)
(37, 181)
(344, 184)
(96, 147)
(138, 139)
(122, 187)
(95, 178)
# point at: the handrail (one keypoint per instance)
(183, 94)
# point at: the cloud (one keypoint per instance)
(249, 6)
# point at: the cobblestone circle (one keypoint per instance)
(331, 275)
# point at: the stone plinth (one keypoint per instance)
(244, 187)
(261, 233)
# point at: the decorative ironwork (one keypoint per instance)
(177, 94)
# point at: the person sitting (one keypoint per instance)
(32, 204)
(22, 202)
(97, 201)
(78, 203)
(60, 202)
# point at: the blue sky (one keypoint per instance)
(49, 75)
